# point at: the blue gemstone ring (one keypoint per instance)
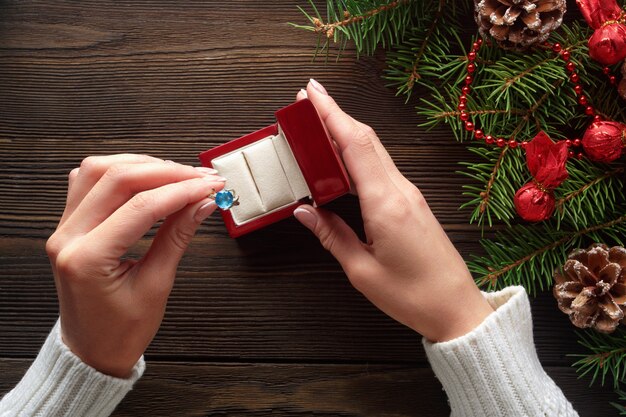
(225, 199)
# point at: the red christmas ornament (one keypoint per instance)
(546, 160)
(604, 141)
(607, 45)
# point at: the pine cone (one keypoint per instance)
(518, 24)
(622, 85)
(591, 287)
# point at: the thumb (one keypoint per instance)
(334, 234)
(158, 266)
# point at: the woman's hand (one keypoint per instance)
(112, 308)
(408, 267)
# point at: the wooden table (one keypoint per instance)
(265, 324)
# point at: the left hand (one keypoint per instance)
(112, 308)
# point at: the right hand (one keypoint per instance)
(407, 267)
(112, 308)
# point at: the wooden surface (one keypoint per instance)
(266, 324)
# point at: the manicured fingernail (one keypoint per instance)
(204, 211)
(206, 170)
(214, 179)
(306, 217)
(304, 93)
(319, 87)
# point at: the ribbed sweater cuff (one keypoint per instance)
(58, 383)
(494, 370)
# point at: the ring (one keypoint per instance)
(225, 199)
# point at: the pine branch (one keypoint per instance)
(512, 82)
(607, 357)
(585, 187)
(499, 176)
(419, 59)
(366, 23)
(588, 192)
(622, 396)
(531, 254)
(414, 75)
(485, 195)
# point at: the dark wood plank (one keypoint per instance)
(34, 197)
(203, 389)
(238, 300)
(92, 73)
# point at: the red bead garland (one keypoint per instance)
(581, 98)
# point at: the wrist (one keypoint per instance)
(114, 364)
(456, 319)
(122, 370)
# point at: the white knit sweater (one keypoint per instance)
(491, 371)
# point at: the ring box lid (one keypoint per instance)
(314, 151)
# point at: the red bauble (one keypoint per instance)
(604, 141)
(607, 45)
(533, 204)
(546, 162)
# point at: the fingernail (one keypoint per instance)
(214, 179)
(206, 170)
(169, 161)
(304, 93)
(319, 87)
(306, 217)
(204, 211)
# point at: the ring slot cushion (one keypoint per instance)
(290, 166)
(268, 174)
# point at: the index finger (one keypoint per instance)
(134, 219)
(91, 170)
(326, 105)
(357, 147)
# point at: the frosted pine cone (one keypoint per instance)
(518, 24)
(591, 287)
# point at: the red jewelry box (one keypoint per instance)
(313, 151)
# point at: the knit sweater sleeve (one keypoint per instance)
(494, 370)
(59, 384)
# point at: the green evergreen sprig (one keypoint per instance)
(492, 196)
(622, 396)
(529, 255)
(418, 34)
(588, 193)
(419, 58)
(367, 23)
(607, 357)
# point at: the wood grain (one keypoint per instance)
(266, 324)
(36, 197)
(242, 303)
(253, 389)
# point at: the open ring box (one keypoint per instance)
(278, 168)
